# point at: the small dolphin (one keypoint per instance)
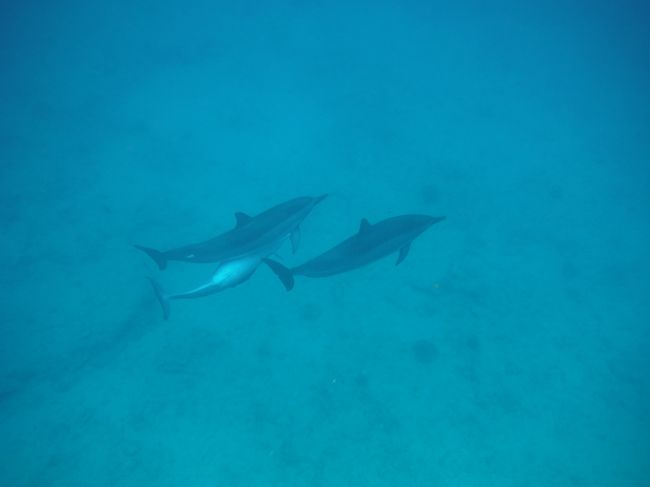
(249, 235)
(229, 274)
(370, 243)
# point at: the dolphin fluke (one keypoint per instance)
(160, 295)
(156, 255)
(284, 273)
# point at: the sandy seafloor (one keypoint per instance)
(511, 346)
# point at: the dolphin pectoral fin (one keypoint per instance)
(162, 298)
(295, 240)
(284, 274)
(156, 255)
(403, 252)
(242, 219)
(364, 225)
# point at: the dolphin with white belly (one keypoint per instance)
(229, 274)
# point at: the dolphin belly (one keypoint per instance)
(229, 274)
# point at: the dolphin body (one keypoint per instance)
(370, 243)
(229, 274)
(249, 235)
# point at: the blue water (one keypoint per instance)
(510, 348)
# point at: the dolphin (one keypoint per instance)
(229, 274)
(249, 235)
(370, 243)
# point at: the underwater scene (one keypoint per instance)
(298, 243)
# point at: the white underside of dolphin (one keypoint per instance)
(229, 274)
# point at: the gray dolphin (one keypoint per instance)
(249, 235)
(370, 243)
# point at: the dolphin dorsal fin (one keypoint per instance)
(242, 219)
(364, 225)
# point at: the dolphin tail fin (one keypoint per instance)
(160, 295)
(156, 255)
(284, 273)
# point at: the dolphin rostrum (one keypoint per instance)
(250, 234)
(370, 243)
